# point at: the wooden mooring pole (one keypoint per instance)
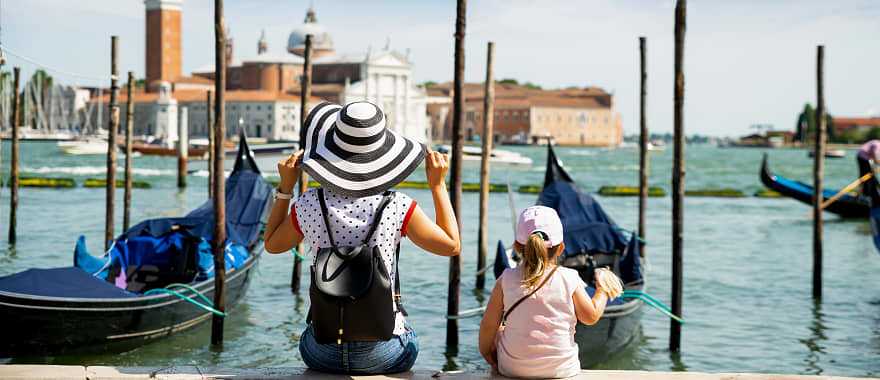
(643, 142)
(678, 171)
(455, 175)
(219, 243)
(488, 121)
(305, 94)
(209, 113)
(182, 146)
(112, 130)
(818, 172)
(13, 161)
(129, 131)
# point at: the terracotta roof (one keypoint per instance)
(195, 95)
(193, 80)
(851, 122)
(517, 96)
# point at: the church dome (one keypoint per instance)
(322, 44)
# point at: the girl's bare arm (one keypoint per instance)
(490, 323)
(588, 310)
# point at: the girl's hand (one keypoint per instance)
(436, 166)
(290, 169)
(607, 282)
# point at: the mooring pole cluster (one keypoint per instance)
(486, 138)
(818, 172)
(305, 94)
(112, 131)
(219, 178)
(678, 172)
(455, 175)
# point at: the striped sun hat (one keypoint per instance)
(349, 151)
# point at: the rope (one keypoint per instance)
(468, 313)
(653, 302)
(47, 68)
(482, 271)
(187, 298)
(296, 253)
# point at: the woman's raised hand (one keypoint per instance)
(436, 166)
(289, 169)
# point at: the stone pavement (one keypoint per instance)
(59, 372)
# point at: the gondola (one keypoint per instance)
(127, 298)
(848, 206)
(592, 240)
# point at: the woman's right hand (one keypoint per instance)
(290, 169)
(436, 166)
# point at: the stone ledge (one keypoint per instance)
(47, 372)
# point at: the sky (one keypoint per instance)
(746, 61)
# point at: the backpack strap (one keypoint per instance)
(377, 218)
(397, 296)
(324, 213)
(515, 304)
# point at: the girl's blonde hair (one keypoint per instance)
(535, 259)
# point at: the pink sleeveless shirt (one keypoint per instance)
(538, 340)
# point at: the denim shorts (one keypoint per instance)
(361, 358)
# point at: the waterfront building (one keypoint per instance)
(523, 115)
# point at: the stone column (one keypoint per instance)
(397, 121)
(379, 91)
(406, 102)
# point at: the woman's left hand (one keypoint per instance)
(289, 169)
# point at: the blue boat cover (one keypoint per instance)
(60, 282)
(587, 227)
(177, 247)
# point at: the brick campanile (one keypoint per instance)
(163, 47)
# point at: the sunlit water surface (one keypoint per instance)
(747, 264)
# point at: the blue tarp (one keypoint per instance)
(587, 227)
(60, 282)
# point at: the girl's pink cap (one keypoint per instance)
(539, 218)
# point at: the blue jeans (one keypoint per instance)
(361, 358)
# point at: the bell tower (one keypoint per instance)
(163, 46)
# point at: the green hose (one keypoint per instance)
(187, 298)
(653, 302)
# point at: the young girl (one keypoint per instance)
(529, 324)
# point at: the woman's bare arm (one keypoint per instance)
(280, 235)
(489, 325)
(588, 310)
(440, 236)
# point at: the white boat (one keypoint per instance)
(83, 147)
(498, 156)
(830, 153)
(657, 146)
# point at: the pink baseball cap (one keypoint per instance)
(539, 218)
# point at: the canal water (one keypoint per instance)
(747, 264)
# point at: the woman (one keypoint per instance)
(529, 325)
(353, 225)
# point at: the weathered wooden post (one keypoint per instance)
(305, 94)
(455, 175)
(13, 161)
(818, 172)
(488, 121)
(209, 112)
(643, 142)
(182, 146)
(219, 242)
(678, 171)
(112, 130)
(129, 131)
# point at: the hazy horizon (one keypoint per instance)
(746, 62)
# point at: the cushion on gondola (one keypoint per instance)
(67, 282)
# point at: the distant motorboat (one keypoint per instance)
(87, 146)
(656, 146)
(498, 156)
(830, 153)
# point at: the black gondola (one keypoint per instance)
(592, 240)
(100, 305)
(848, 206)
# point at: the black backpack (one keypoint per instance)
(351, 292)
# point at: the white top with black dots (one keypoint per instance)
(351, 219)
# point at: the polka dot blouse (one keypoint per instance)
(350, 219)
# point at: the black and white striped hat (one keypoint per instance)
(349, 151)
